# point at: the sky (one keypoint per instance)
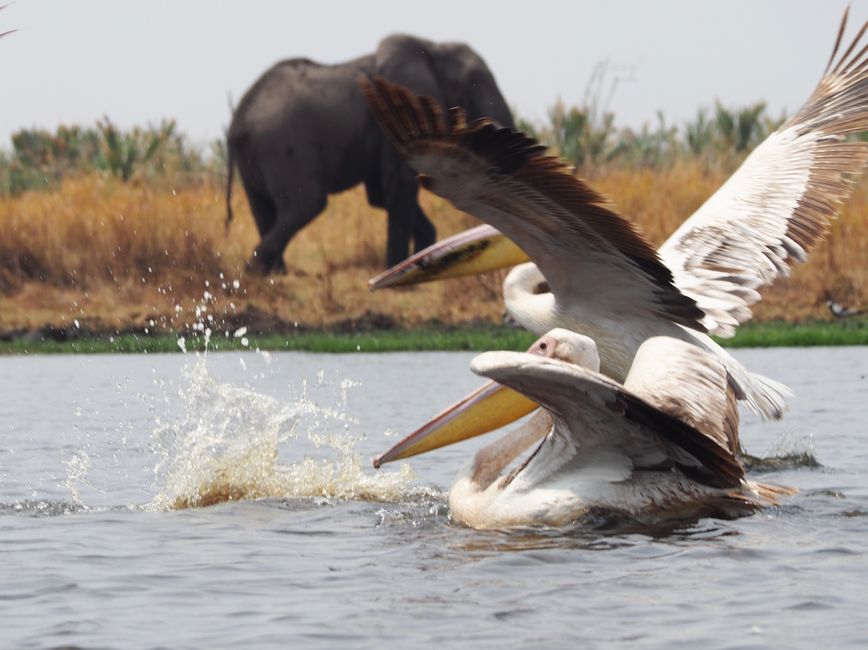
(140, 61)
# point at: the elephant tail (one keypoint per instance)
(230, 177)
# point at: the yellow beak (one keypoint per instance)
(489, 407)
(470, 252)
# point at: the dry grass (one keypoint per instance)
(660, 199)
(114, 255)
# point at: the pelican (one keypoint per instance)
(657, 447)
(592, 271)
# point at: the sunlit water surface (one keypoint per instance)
(177, 501)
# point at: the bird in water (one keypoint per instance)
(593, 272)
(657, 447)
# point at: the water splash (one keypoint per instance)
(41, 508)
(77, 467)
(788, 451)
(227, 443)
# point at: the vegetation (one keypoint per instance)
(40, 159)
(585, 135)
(427, 338)
(107, 230)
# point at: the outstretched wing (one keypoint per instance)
(778, 204)
(594, 413)
(588, 253)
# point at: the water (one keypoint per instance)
(107, 464)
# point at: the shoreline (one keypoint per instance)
(429, 337)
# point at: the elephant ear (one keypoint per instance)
(409, 61)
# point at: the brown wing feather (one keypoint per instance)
(721, 465)
(416, 127)
(836, 113)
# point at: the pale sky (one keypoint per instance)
(139, 61)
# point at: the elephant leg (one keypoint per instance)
(404, 214)
(291, 217)
(263, 209)
(424, 233)
(398, 243)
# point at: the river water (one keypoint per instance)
(227, 500)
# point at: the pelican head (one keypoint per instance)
(527, 298)
(569, 346)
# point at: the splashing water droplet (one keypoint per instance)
(77, 467)
(227, 443)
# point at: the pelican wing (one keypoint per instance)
(597, 414)
(778, 204)
(688, 382)
(588, 253)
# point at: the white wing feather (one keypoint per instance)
(778, 203)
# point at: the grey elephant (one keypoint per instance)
(304, 131)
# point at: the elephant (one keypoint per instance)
(304, 131)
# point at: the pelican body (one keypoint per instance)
(657, 447)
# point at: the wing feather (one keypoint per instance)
(689, 383)
(597, 413)
(779, 203)
(504, 177)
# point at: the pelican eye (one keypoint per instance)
(543, 345)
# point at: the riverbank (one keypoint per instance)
(108, 257)
(426, 338)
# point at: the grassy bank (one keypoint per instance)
(776, 334)
(113, 256)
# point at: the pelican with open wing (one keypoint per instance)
(592, 272)
(659, 446)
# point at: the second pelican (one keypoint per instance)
(657, 447)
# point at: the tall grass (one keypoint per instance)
(112, 254)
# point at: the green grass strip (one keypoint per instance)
(774, 334)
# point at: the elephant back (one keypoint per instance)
(452, 73)
(409, 61)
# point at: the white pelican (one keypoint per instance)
(593, 272)
(657, 447)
